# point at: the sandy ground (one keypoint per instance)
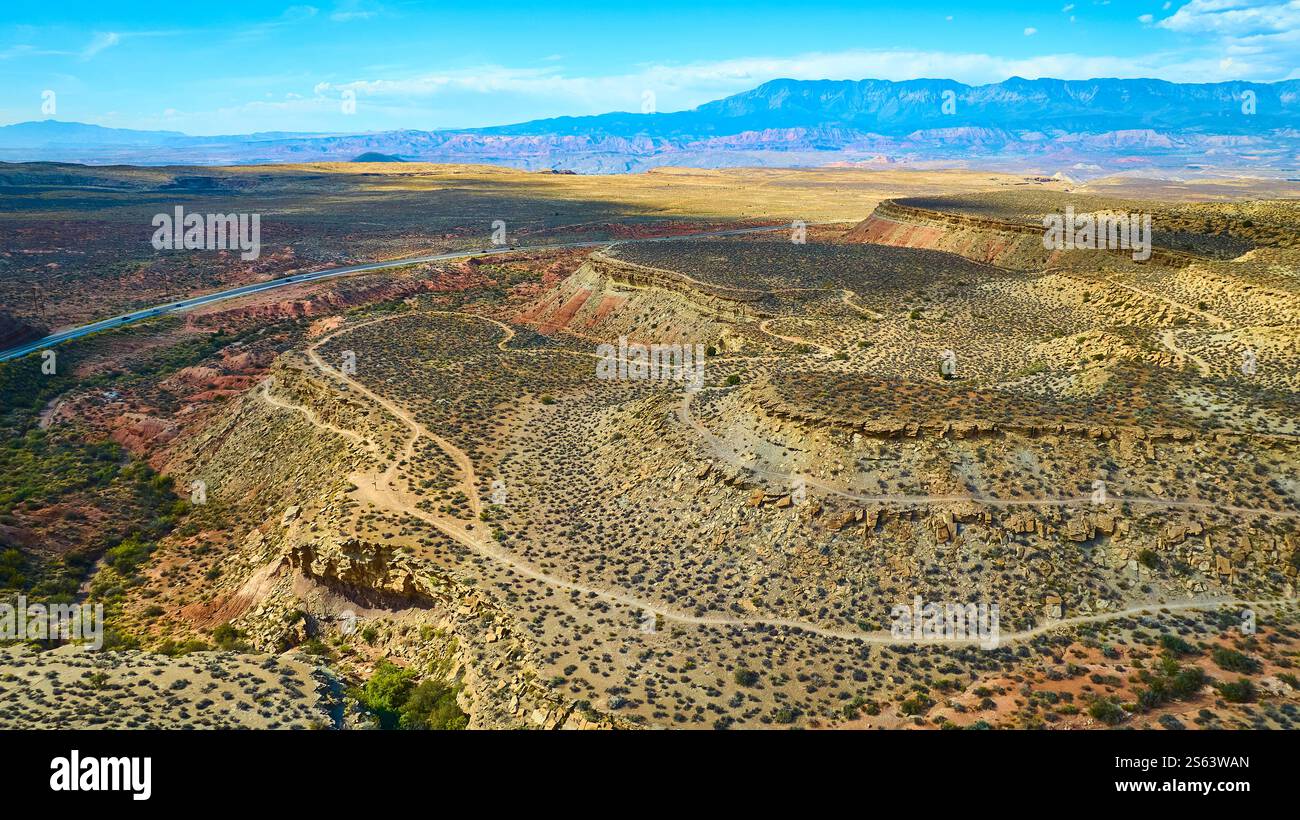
(71, 688)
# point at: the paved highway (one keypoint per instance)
(329, 273)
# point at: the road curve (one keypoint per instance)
(332, 273)
(380, 491)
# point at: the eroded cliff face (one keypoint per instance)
(609, 297)
(436, 621)
(14, 331)
(1007, 245)
(304, 567)
(1088, 556)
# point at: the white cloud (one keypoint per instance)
(687, 85)
(25, 50)
(1146, 19)
(1253, 36)
(1031, 31)
(292, 16)
(101, 41)
(349, 10)
(1234, 18)
(494, 94)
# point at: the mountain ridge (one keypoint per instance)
(894, 108)
(1106, 122)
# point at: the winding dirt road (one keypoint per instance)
(379, 490)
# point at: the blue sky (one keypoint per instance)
(236, 67)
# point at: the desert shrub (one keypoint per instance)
(227, 637)
(13, 569)
(127, 556)
(386, 691)
(745, 677)
(1234, 661)
(916, 705)
(1170, 722)
(1176, 645)
(1242, 691)
(173, 649)
(315, 646)
(1106, 710)
(1187, 682)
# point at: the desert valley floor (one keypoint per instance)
(428, 471)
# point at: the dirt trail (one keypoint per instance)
(264, 391)
(794, 340)
(1167, 337)
(1217, 321)
(723, 452)
(1213, 319)
(847, 296)
(380, 491)
(461, 460)
(1170, 343)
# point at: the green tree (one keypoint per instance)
(386, 692)
(432, 705)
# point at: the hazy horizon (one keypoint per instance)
(346, 132)
(407, 67)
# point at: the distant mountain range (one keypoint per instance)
(1081, 128)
